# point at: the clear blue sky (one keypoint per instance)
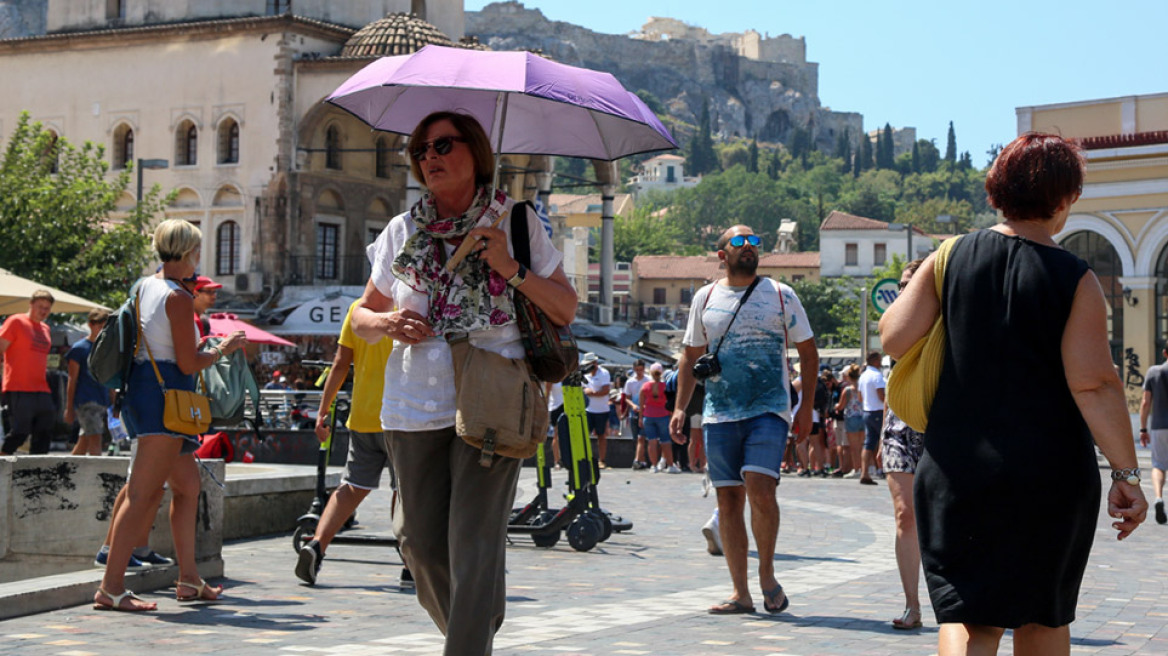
(924, 63)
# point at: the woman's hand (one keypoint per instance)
(407, 327)
(492, 248)
(1126, 503)
(233, 342)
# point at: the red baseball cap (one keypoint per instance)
(203, 282)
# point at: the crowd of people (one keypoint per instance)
(1026, 327)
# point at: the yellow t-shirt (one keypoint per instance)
(368, 376)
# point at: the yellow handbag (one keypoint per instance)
(184, 412)
(913, 381)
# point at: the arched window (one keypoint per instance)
(186, 144)
(123, 152)
(229, 142)
(1101, 255)
(332, 148)
(227, 251)
(381, 163)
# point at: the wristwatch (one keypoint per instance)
(1129, 474)
(519, 278)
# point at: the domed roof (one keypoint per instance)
(396, 34)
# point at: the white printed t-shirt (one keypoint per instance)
(595, 383)
(754, 378)
(870, 381)
(419, 378)
(633, 388)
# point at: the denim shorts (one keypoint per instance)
(142, 410)
(657, 428)
(854, 423)
(751, 445)
(873, 422)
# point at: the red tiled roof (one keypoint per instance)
(708, 267)
(843, 221)
(1125, 140)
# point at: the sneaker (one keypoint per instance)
(806, 473)
(134, 565)
(838, 474)
(674, 469)
(854, 474)
(867, 481)
(819, 473)
(713, 537)
(638, 465)
(155, 559)
(308, 564)
(1161, 517)
(657, 469)
(406, 580)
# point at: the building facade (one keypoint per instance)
(1120, 223)
(853, 246)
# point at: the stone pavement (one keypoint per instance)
(642, 592)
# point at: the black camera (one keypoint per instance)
(707, 366)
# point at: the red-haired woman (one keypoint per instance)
(1007, 498)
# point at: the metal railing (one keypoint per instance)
(340, 270)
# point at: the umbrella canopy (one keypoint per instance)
(15, 292)
(527, 104)
(224, 324)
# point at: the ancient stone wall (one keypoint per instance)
(681, 65)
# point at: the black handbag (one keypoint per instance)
(551, 349)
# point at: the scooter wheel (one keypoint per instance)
(605, 523)
(584, 533)
(546, 540)
(302, 534)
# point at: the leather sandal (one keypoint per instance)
(730, 607)
(201, 589)
(904, 623)
(116, 602)
(770, 595)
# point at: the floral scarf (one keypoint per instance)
(473, 296)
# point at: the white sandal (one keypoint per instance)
(116, 602)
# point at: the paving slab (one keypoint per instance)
(642, 592)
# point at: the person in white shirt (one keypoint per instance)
(597, 384)
(632, 392)
(872, 398)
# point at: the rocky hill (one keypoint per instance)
(756, 86)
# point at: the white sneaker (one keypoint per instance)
(713, 536)
(855, 473)
(674, 469)
(658, 469)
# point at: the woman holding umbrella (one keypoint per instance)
(452, 517)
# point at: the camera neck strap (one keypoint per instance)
(741, 302)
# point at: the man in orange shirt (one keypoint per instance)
(25, 342)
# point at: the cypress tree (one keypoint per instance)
(753, 152)
(889, 150)
(916, 158)
(865, 158)
(951, 145)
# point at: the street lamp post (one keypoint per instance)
(148, 164)
(947, 218)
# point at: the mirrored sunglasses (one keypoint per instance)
(442, 146)
(738, 240)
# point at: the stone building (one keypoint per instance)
(852, 245)
(287, 190)
(1120, 223)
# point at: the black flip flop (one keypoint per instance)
(730, 607)
(767, 595)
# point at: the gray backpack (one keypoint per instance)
(112, 354)
(228, 383)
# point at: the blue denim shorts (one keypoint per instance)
(854, 423)
(873, 423)
(142, 409)
(657, 428)
(734, 447)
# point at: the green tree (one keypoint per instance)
(800, 143)
(867, 160)
(916, 158)
(951, 145)
(651, 101)
(648, 231)
(753, 164)
(734, 154)
(55, 206)
(775, 165)
(930, 156)
(833, 311)
(843, 149)
(885, 149)
(702, 157)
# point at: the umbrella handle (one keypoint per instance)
(467, 244)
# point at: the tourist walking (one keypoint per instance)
(25, 343)
(1006, 497)
(850, 430)
(1154, 413)
(597, 385)
(453, 511)
(750, 322)
(168, 349)
(871, 387)
(655, 422)
(86, 400)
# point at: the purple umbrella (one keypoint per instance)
(527, 104)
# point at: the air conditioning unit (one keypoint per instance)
(249, 283)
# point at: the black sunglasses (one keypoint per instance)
(901, 285)
(442, 146)
(738, 240)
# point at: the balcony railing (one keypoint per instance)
(311, 270)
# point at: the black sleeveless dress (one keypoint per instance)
(1007, 492)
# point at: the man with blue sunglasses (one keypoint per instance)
(748, 323)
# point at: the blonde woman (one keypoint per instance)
(850, 407)
(166, 315)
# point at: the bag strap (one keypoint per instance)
(521, 247)
(741, 302)
(940, 262)
(142, 340)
